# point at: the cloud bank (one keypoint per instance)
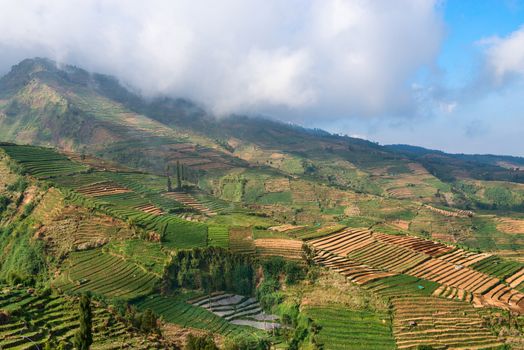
(504, 57)
(294, 58)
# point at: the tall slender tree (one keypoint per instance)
(169, 185)
(178, 176)
(84, 336)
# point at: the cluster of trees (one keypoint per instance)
(276, 269)
(210, 269)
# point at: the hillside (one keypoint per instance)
(243, 232)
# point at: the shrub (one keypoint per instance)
(4, 202)
(204, 342)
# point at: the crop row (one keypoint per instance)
(352, 270)
(439, 323)
(176, 310)
(287, 248)
(349, 329)
(344, 242)
(457, 276)
(56, 317)
(104, 274)
(415, 243)
(389, 257)
(218, 236)
(498, 267)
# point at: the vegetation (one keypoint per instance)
(269, 235)
(84, 336)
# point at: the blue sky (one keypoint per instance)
(445, 74)
(492, 121)
(466, 22)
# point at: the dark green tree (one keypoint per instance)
(178, 176)
(84, 336)
(169, 185)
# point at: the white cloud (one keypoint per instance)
(295, 58)
(505, 56)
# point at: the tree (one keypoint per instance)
(84, 336)
(178, 176)
(169, 185)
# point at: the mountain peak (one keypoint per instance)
(44, 69)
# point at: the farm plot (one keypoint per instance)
(458, 276)
(43, 162)
(388, 257)
(218, 236)
(504, 297)
(498, 267)
(190, 201)
(104, 274)
(310, 233)
(286, 248)
(344, 242)
(349, 329)
(453, 293)
(401, 285)
(241, 240)
(352, 270)
(75, 228)
(215, 204)
(510, 225)
(237, 310)
(440, 323)
(516, 280)
(415, 243)
(451, 213)
(57, 317)
(176, 309)
(104, 188)
(463, 257)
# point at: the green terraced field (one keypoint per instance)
(176, 233)
(43, 162)
(57, 317)
(349, 329)
(176, 310)
(150, 255)
(498, 267)
(402, 285)
(218, 236)
(104, 274)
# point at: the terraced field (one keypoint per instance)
(286, 248)
(104, 188)
(440, 323)
(188, 200)
(237, 310)
(444, 272)
(218, 236)
(510, 225)
(415, 243)
(497, 267)
(104, 274)
(352, 270)
(57, 317)
(463, 257)
(43, 162)
(344, 242)
(176, 309)
(389, 257)
(516, 280)
(451, 213)
(351, 329)
(241, 240)
(401, 285)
